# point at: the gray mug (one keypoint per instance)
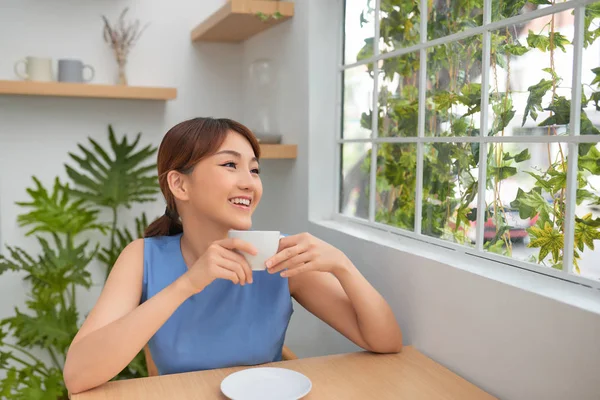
(72, 71)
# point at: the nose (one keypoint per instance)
(246, 180)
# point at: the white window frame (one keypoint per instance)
(572, 139)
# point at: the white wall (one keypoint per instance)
(36, 133)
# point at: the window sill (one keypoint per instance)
(562, 291)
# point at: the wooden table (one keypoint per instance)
(408, 375)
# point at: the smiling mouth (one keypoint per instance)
(241, 202)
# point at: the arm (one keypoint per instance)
(325, 282)
(118, 327)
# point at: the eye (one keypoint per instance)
(256, 171)
(230, 164)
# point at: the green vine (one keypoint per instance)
(453, 101)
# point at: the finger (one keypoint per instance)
(229, 275)
(288, 241)
(234, 267)
(238, 244)
(286, 254)
(293, 262)
(296, 271)
(233, 256)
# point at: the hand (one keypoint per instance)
(304, 252)
(220, 261)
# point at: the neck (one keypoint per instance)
(198, 235)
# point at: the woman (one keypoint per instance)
(187, 292)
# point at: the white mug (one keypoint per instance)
(265, 242)
(36, 69)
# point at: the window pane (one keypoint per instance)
(396, 178)
(502, 9)
(450, 191)
(587, 213)
(454, 88)
(359, 30)
(451, 16)
(354, 190)
(399, 24)
(531, 77)
(525, 201)
(590, 72)
(358, 102)
(399, 96)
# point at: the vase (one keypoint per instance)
(122, 73)
(262, 77)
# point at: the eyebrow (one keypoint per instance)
(235, 154)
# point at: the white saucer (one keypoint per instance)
(265, 384)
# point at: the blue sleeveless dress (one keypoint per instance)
(225, 325)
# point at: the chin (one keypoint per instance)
(240, 225)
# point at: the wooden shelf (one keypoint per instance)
(61, 89)
(237, 20)
(278, 151)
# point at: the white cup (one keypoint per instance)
(265, 242)
(36, 69)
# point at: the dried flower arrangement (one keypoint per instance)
(122, 37)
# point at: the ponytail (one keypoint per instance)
(166, 225)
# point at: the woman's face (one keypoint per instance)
(226, 187)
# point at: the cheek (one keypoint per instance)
(258, 191)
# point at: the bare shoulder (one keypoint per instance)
(121, 292)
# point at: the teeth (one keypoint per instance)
(236, 200)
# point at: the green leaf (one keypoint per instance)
(586, 232)
(516, 49)
(544, 43)
(57, 212)
(539, 42)
(114, 181)
(534, 101)
(52, 319)
(590, 161)
(530, 204)
(561, 109)
(108, 255)
(522, 156)
(592, 12)
(500, 173)
(596, 72)
(548, 239)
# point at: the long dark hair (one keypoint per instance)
(181, 149)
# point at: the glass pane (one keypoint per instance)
(587, 213)
(396, 178)
(531, 77)
(399, 22)
(525, 201)
(446, 17)
(502, 9)
(354, 190)
(399, 96)
(359, 30)
(450, 191)
(358, 102)
(590, 72)
(454, 88)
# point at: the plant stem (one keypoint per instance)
(113, 231)
(38, 367)
(12, 346)
(54, 359)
